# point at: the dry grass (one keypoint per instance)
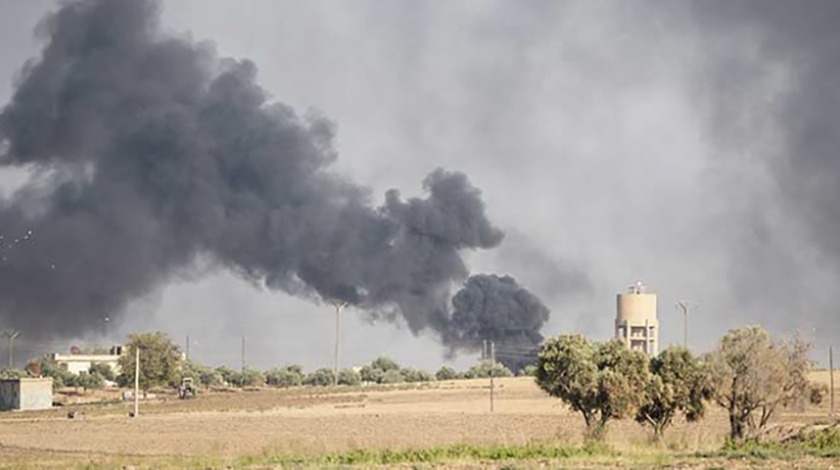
(269, 425)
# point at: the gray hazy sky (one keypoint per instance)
(589, 126)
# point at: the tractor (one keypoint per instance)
(187, 388)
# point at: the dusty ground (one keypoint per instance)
(306, 421)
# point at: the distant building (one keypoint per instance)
(25, 394)
(636, 321)
(78, 363)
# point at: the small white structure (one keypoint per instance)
(80, 363)
(636, 321)
(26, 394)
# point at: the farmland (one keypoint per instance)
(264, 426)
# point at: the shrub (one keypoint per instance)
(349, 377)
(248, 378)
(393, 376)
(320, 378)
(283, 378)
(103, 370)
(483, 369)
(384, 364)
(211, 378)
(446, 373)
(371, 375)
(416, 375)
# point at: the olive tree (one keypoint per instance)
(753, 375)
(601, 381)
(677, 385)
(160, 360)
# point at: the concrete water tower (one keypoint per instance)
(635, 320)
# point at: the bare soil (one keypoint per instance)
(301, 421)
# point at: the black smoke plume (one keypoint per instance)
(153, 153)
(495, 308)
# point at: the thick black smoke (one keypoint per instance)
(770, 83)
(497, 309)
(153, 153)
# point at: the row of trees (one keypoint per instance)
(750, 374)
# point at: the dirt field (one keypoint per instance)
(266, 422)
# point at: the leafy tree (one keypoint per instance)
(49, 368)
(384, 364)
(601, 381)
(160, 360)
(322, 377)
(227, 374)
(88, 381)
(483, 370)
(193, 370)
(349, 377)
(677, 385)
(416, 375)
(371, 375)
(211, 378)
(285, 377)
(529, 371)
(446, 373)
(753, 375)
(248, 377)
(103, 370)
(393, 376)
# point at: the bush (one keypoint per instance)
(284, 377)
(226, 373)
(248, 378)
(103, 370)
(416, 375)
(384, 364)
(371, 375)
(483, 370)
(446, 373)
(349, 377)
(211, 378)
(393, 376)
(88, 381)
(192, 370)
(320, 378)
(12, 374)
(529, 371)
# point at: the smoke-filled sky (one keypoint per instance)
(689, 145)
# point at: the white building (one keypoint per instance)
(78, 363)
(25, 394)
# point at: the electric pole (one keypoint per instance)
(492, 374)
(831, 378)
(683, 305)
(339, 306)
(243, 353)
(11, 335)
(188, 348)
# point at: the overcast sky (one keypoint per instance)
(590, 127)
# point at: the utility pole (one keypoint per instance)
(831, 378)
(188, 348)
(683, 305)
(492, 375)
(136, 382)
(339, 307)
(243, 353)
(11, 335)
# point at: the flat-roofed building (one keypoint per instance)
(636, 321)
(26, 394)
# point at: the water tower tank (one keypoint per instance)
(636, 322)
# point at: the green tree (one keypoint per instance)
(322, 377)
(211, 378)
(393, 376)
(601, 381)
(349, 377)
(88, 381)
(753, 375)
(416, 375)
(384, 364)
(285, 377)
(103, 370)
(485, 368)
(446, 373)
(227, 374)
(160, 360)
(371, 375)
(677, 385)
(248, 377)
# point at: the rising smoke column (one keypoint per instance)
(495, 308)
(769, 82)
(153, 152)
